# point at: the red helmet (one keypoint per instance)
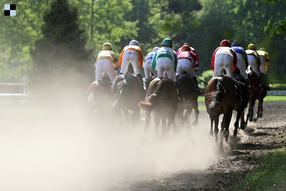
(225, 42)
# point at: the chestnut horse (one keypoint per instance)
(220, 98)
(188, 90)
(162, 99)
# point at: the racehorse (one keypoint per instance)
(188, 89)
(128, 91)
(99, 96)
(220, 98)
(162, 99)
(257, 91)
(242, 88)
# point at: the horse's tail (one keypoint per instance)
(150, 103)
(216, 96)
(89, 89)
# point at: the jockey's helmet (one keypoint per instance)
(106, 46)
(186, 48)
(155, 49)
(225, 42)
(251, 47)
(133, 42)
(235, 43)
(167, 42)
(186, 43)
(263, 49)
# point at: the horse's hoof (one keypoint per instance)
(261, 115)
(255, 119)
(243, 126)
(225, 133)
(250, 119)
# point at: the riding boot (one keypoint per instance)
(180, 93)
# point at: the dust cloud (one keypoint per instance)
(50, 148)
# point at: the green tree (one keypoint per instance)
(60, 58)
(17, 38)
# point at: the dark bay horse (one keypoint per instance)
(220, 98)
(189, 93)
(257, 91)
(128, 91)
(243, 96)
(162, 100)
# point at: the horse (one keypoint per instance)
(241, 84)
(99, 97)
(190, 94)
(162, 100)
(220, 98)
(128, 91)
(257, 91)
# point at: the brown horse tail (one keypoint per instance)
(216, 96)
(149, 104)
(88, 91)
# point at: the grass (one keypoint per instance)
(269, 176)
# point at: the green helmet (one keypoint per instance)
(167, 42)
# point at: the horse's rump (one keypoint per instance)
(220, 94)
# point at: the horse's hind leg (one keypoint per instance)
(196, 116)
(225, 124)
(147, 120)
(164, 127)
(242, 121)
(259, 109)
(236, 123)
(250, 110)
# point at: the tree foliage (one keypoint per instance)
(60, 57)
(203, 23)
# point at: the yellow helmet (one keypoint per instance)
(106, 46)
(251, 47)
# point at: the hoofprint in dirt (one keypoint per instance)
(266, 134)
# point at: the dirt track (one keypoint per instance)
(261, 137)
(59, 150)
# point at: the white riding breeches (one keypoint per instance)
(223, 60)
(186, 65)
(148, 69)
(241, 65)
(130, 57)
(252, 61)
(104, 66)
(165, 65)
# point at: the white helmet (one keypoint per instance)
(133, 42)
(155, 49)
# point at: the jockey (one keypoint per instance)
(131, 54)
(188, 52)
(106, 62)
(194, 55)
(265, 61)
(224, 58)
(242, 61)
(251, 55)
(165, 62)
(148, 69)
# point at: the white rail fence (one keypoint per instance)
(13, 91)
